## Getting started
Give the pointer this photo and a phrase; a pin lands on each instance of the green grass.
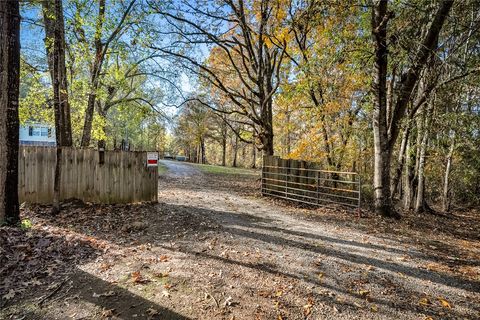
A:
(162, 168)
(207, 168)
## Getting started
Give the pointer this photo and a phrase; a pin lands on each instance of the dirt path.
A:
(213, 248)
(179, 171)
(275, 261)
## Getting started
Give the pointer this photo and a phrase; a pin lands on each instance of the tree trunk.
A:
(288, 142)
(400, 161)
(254, 155)
(266, 134)
(224, 151)
(203, 158)
(267, 141)
(386, 126)
(382, 152)
(419, 202)
(446, 180)
(87, 125)
(244, 155)
(55, 47)
(57, 180)
(102, 144)
(94, 74)
(235, 152)
(9, 122)
(408, 178)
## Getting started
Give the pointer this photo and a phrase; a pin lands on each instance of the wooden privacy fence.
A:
(114, 177)
(304, 182)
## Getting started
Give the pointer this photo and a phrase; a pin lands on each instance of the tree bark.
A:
(400, 161)
(9, 121)
(203, 159)
(266, 135)
(235, 152)
(446, 180)
(382, 152)
(408, 178)
(419, 201)
(94, 74)
(55, 47)
(386, 127)
(254, 155)
(224, 151)
(411, 77)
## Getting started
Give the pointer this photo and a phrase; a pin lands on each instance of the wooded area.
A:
(380, 95)
(384, 88)
(405, 71)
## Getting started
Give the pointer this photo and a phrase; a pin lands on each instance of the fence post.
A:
(286, 165)
(318, 186)
(263, 174)
(359, 195)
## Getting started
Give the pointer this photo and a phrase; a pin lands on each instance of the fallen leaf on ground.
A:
(424, 302)
(307, 309)
(363, 293)
(107, 313)
(444, 303)
(9, 295)
(161, 274)
(228, 302)
(264, 293)
(151, 312)
(138, 278)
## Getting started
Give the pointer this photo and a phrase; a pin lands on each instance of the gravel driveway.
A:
(274, 261)
(213, 248)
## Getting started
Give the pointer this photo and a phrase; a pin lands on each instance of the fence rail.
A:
(304, 182)
(116, 177)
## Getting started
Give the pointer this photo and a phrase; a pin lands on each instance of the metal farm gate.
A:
(303, 182)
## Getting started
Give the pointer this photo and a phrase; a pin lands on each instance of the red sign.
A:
(152, 159)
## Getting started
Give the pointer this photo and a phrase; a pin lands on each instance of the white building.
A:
(37, 134)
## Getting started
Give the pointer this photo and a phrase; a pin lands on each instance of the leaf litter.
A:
(156, 252)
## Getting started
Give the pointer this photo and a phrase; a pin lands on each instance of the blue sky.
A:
(32, 36)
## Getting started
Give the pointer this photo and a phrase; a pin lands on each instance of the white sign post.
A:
(152, 159)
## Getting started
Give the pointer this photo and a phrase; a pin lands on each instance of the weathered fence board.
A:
(122, 178)
(305, 182)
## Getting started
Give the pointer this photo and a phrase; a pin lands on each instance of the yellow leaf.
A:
(374, 308)
(424, 302)
(444, 303)
(364, 293)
